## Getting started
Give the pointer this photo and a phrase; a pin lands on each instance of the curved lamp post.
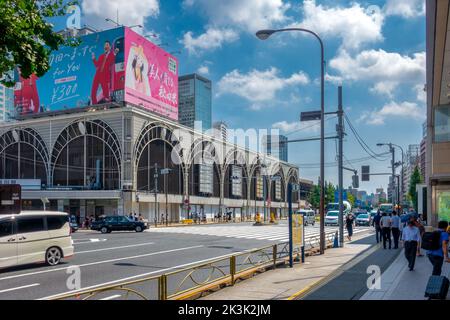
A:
(265, 34)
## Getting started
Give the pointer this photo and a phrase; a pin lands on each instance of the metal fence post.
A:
(232, 269)
(162, 286)
(274, 256)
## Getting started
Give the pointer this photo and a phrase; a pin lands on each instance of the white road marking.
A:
(99, 262)
(83, 241)
(271, 233)
(18, 288)
(145, 274)
(112, 297)
(114, 248)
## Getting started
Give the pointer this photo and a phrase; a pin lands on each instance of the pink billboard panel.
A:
(151, 76)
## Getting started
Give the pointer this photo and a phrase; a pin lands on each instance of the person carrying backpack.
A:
(436, 244)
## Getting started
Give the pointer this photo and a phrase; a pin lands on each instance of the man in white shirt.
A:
(395, 224)
(410, 239)
(385, 224)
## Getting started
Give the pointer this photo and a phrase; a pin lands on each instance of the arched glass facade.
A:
(87, 155)
(23, 155)
(159, 152)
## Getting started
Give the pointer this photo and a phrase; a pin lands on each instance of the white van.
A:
(35, 236)
(309, 217)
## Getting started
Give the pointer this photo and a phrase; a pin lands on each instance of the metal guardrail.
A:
(192, 281)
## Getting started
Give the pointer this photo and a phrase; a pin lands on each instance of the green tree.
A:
(314, 196)
(26, 38)
(415, 179)
(351, 199)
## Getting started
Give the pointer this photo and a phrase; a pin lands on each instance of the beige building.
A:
(438, 110)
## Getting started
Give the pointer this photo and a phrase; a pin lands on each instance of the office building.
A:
(195, 101)
(6, 103)
(221, 130)
(276, 146)
(438, 110)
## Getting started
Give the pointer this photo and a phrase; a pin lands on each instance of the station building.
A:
(103, 159)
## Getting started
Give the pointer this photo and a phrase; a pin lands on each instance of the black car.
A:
(117, 223)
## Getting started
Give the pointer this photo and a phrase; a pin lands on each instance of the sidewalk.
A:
(283, 282)
(398, 283)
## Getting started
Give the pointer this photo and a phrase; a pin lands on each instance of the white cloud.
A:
(355, 25)
(405, 8)
(131, 12)
(421, 93)
(211, 39)
(204, 70)
(258, 86)
(249, 15)
(287, 127)
(406, 110)
(386, 69)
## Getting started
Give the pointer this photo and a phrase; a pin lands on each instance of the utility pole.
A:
(341, 167)
(155, 176)
(393, 191)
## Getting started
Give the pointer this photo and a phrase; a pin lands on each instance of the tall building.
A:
(276, 146)
(423, 153)
(411, 162)
(194, 101)
(221, 130)
(6, 103)
(438, 110)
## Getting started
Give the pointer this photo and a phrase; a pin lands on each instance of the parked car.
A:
(363, 219)
(117, 223)
(332, 218)
(35, 236)
(309, 216)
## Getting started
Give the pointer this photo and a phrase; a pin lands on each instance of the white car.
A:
(33, 237)
(332, 218)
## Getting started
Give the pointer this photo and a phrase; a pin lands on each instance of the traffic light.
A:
(355, 181)
(365, 171)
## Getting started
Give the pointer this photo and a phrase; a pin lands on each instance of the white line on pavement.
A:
(112, 297)
(18, 288)
(100, 262)
(114, 248)
(145, 274)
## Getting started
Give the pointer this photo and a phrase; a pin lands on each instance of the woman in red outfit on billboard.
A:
(104, 73)
(26, 94)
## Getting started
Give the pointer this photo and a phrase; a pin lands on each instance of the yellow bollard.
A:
(272, 217)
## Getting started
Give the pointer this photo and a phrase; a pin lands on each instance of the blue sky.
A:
(375, 49)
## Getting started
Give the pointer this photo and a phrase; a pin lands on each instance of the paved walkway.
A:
(398, 283)
(282, 283)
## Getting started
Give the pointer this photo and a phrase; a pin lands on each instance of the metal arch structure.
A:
(157, 131)
(93, 128)
(30, 137)
(233, 155)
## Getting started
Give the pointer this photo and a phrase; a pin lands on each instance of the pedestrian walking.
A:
(395, 228)
(385, 224)
(349, 221)
(410, 240)
(419, 225)
(440, 254)
(376, 223)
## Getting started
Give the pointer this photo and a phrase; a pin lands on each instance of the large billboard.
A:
(151, 76)
(112, 65)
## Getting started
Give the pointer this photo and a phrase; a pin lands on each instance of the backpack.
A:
(431, 240)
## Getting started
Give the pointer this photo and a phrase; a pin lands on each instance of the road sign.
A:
(310, 116)
(344, 196)
(365, 173)
(297, 229)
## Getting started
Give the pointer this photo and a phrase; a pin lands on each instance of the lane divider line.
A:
(18, 288)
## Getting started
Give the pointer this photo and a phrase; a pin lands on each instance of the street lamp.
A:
(265, 34)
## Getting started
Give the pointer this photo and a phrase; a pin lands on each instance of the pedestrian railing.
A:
(192, 281)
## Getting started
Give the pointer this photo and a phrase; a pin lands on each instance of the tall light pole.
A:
(265, 34)
(392, 150)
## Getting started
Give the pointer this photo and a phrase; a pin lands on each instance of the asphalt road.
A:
(108, 258)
